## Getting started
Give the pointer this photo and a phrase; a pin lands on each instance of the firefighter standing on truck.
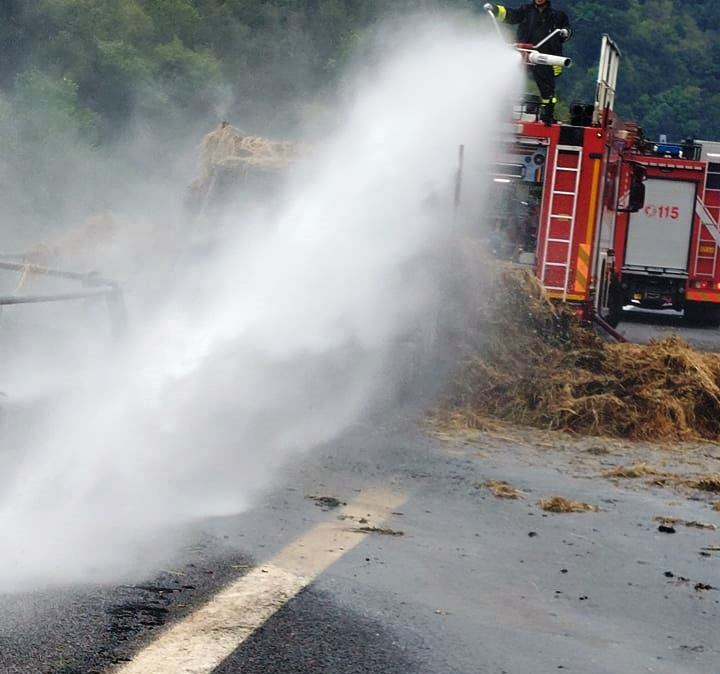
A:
(535, 21)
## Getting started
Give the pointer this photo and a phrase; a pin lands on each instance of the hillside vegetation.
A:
(100, 60)
(80, 73)
(670, 71)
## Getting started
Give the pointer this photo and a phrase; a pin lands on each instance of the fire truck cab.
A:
(605, 218)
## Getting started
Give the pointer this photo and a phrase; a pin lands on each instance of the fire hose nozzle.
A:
(535, 58)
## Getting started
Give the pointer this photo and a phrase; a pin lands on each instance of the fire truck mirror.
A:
(636, 201)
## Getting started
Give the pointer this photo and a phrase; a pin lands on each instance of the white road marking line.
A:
(201, 641)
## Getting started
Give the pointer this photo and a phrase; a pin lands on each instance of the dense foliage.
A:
(670, 74)
(102, 60)
(88, 69)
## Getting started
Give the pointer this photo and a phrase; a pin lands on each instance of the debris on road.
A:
(681, 579)
(532, 362)
(502, 489)
(326, 502)
(153, 588)
(693, 649)
(693, 524)
(665, 529)
(709, 483)
(378, 530)
(701, 525)
(558, 504)
(703, 587)
(632, 472)
(598, 450)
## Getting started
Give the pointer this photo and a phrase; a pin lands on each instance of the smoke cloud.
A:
(270, 343)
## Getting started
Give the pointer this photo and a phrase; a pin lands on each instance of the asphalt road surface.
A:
(384, 552)
(639, 325)
(446, 578)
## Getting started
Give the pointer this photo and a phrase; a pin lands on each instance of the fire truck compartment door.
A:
(659, 234)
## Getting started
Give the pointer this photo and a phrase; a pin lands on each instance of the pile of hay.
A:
(228, 147)
(529, 361)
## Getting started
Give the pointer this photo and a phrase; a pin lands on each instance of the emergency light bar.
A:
(668, 150)
(685, 150)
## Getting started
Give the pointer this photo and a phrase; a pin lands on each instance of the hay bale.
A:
(228, 147)
(558, 504)
(529, 361)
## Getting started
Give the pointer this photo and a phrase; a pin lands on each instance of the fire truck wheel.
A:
(615, 305)
(614, 316)
(703, 313)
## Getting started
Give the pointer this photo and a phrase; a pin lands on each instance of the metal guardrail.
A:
(95, 287)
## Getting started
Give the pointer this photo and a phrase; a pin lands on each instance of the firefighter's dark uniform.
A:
(534, 25)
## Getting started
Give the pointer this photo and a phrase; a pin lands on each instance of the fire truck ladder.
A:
(708, 221)
(568, 159)
(712, 227)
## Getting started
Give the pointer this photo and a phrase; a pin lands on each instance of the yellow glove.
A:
(557, 70)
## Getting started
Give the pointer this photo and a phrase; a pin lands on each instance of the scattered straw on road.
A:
(558, 504)
(501, 489)
(709, 483)
(633, 472)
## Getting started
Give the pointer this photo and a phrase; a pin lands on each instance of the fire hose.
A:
(536, 58)
(529, 53)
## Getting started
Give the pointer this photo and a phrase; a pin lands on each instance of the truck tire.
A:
(615, 305)
(703, 313)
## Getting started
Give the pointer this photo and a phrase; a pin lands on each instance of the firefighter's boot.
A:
(547, 110)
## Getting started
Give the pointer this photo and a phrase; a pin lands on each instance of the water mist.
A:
(280, 340)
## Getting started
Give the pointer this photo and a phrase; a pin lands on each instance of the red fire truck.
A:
(606, 218)
(666, 253)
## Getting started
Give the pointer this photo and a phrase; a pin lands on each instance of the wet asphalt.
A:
(638, 325)
(474, 584)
